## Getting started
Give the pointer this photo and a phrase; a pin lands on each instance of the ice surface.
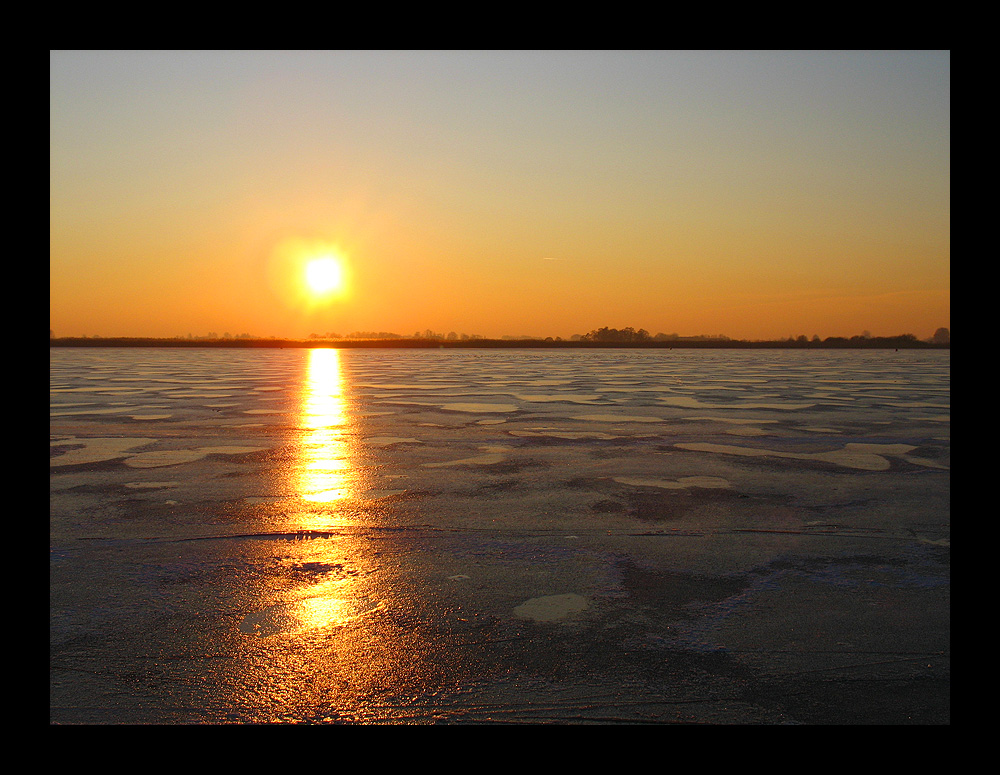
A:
(711, 482)
(551, 607)
(870, 457)
(482, 534)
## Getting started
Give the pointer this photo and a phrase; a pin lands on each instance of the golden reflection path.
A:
(326, 482)
(313, 639)
(324, 471)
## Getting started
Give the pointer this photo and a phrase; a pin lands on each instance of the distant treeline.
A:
(604, 339)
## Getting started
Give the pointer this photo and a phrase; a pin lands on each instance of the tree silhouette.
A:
(627, 334)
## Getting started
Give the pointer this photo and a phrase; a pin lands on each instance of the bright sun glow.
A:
(324, 275)
(309, 275)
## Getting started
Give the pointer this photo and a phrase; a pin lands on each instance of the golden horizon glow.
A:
(758, 195)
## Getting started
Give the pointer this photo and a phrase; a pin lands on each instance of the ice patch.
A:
(571, 398)
(114, 410)
(683, 483)
(745, 431)
(173, 457)
(551, 607)
(866, 457)
(615, 418)
(730, 420)
(687, 402)
(168, 457)
(494, 454)
(467, 407)
(385, 441)
(94, 450)
(570, 435)
(407, 386)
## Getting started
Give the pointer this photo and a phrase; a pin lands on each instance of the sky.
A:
(754, 194)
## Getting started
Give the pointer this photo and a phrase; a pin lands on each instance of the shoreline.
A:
(833, 343)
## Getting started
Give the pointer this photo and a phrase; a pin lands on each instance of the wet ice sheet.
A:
(632, 503)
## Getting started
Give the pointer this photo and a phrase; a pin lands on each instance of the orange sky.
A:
(753, 194)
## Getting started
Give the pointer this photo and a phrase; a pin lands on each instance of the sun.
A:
(324, 275)
(310, 275)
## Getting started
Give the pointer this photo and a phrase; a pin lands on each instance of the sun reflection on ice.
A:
(325, 475)
(324, 564)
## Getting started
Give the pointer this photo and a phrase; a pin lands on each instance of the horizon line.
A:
(719, 342)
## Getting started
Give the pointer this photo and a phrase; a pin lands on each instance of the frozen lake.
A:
(408, 536)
